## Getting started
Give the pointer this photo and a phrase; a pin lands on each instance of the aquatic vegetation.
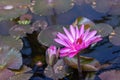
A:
(28, 28)
(75, 41)
(108, 6)
(51, 7)
(12, 42)
(13, 7)
(114, 37)
(103, 29)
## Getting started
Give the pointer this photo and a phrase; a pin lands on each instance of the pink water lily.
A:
(76, 40)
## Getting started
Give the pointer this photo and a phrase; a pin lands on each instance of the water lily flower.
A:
(52, 54)
(76, 40)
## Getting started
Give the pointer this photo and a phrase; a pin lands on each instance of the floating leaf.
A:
(59, 69)
(103, 29)
(22, 74)
(82, 20)
(108, 6)
(10, 58)
(25, 76)
(47, 36)
(50, 7)
(87, 64)
(5, 74)
(115, 36)
(13, 8)
(20, 30)
(12, 42)
(5, 26)
(39, 25)
(110, 75)
(79, 2)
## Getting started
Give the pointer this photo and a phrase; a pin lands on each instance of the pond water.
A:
(32, 38)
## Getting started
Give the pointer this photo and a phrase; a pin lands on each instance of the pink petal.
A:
(64, 54)
(61, 36)
(61, 42)
(72, 30)
(86, 34)
(72, 54)
(64, 50)
(81, 30)
(96, 39)
(77, 32)
(68, 34)
(91, 34)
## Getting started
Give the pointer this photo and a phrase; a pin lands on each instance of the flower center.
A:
(79, 40)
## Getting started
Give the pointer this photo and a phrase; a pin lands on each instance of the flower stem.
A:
(79, 67)
(54, 77)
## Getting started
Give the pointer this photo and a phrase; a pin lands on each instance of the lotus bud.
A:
(52, 55)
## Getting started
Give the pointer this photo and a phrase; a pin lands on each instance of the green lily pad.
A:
(47, 36)
(87, 64)
(103, 29)
(49, 7)
(12, 42)
(13, 8)
(10, 58)
(114, 37)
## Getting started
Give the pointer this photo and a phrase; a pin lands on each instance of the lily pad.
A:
(39, 25)
(110, 75)
(51, 7)
(12, 42)
(47, 36)
(20, 30)
(59, 69)
(79, 2)
(22, 74)
(10, 58)
(87, 63)
(103, 29)
(5, 74)
(13, 8)
(114, 37)
(108, 6)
